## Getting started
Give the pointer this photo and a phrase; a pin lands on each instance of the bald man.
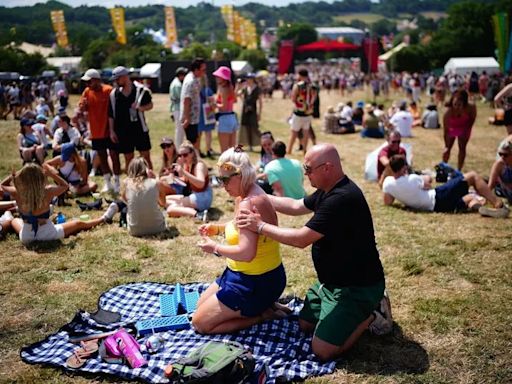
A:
(340, 305)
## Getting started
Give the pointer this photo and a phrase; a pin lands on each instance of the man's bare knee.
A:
(306, 326)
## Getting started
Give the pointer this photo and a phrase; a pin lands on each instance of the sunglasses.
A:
(223, 180)
(163, 146)
(308, 169)
(504, 155)
(183, 154)
(396, 142)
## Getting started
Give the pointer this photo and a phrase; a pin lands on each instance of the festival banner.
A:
(227, 15)
(170, 27)
(501, 35)
(59, 26)
(117, 15)
(236, 28)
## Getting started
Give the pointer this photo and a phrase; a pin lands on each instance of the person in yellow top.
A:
(246, 292)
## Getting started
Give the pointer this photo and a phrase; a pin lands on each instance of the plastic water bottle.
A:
(60, 218)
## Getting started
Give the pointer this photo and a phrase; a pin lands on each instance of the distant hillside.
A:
(202, 22)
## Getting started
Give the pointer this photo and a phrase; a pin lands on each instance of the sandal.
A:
(80, 355)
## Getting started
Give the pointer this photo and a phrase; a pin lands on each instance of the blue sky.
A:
(176, 3)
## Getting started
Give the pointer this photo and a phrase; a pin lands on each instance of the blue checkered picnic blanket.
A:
(278, 346)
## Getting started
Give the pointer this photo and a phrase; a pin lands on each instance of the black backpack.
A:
(214, 362)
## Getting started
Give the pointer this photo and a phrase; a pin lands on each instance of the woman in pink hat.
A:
(226, 97)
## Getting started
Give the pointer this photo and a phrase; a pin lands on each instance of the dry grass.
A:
(448, 275)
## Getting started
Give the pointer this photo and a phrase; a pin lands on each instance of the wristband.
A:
(216, 252)
(260, 228)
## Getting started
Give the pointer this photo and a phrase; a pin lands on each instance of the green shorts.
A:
(337, 311)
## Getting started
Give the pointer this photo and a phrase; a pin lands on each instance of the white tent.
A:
(463, 65)
(65, 64)
(241, 67)
(150, 70)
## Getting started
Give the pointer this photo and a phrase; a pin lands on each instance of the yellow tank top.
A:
(267, 256)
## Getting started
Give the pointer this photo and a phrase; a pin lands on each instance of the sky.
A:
(133, 3)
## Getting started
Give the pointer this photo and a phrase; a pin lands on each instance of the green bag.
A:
(214, 362)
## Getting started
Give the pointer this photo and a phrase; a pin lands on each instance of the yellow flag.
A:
(117, 15)
(59, 26)
(236, 28)
(170, 27)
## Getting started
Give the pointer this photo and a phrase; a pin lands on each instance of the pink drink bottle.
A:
(130, 349)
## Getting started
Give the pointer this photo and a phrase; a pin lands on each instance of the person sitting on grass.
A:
(194, 173)
(342, 304)
(284, 175)
(66, 133)
(30, 144)
(168, 156)
(500, 179)
(73, 168)
(141, 193)
(254, 279)
(33, 197)
(371, 124)
(416, 192)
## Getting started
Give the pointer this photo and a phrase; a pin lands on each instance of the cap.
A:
(250, 75)
(91, 74)
(24, 122)
(41, 117)
(505, 146)
(61, 111)
(360, 104)
(223, 73)
(403, 104)
(119, 71)
(66, 151)
(166, 141)
(181, 71)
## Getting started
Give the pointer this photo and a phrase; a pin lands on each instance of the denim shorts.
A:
(202, 200)
(228, 123)
(449, 196)
(251, 294)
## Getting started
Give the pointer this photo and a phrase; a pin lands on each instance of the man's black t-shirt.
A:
(122, 121)
(347, 254)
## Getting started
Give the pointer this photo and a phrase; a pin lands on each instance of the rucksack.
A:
(214, 362)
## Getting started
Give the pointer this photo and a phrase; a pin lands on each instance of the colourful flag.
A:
(501, 36)
(117, 15)
(59, 26)
(170, 27)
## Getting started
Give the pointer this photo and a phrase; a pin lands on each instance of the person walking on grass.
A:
(343, 303)
(303, 98)
(175, 99)
(226, 97)
(128, 127)
(95, 101)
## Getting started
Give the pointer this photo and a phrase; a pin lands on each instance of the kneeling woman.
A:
(194, 173)
(33, 197)
(73, 168)
(254, 278)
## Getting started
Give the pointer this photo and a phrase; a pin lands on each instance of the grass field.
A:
(448, 276)
(369, 18)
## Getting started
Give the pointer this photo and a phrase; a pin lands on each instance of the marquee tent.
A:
(463, 65)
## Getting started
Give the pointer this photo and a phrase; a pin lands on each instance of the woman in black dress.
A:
(251, 112)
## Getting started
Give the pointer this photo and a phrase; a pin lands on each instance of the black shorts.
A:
(507, 119)
(102, 144)
(449, 195)
(128, 142)
(191, 132)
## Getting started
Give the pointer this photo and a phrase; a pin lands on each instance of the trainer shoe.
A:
(383, 323)
(499, 213)
(110, 212)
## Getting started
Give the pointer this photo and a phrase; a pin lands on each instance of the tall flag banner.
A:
(501, 35)
(59, 26)
(170, 27)
(227, 15)
(117, 15)
(236, 28)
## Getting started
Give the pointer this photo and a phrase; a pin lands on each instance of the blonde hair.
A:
(241, 163)
(191, 149)
(30, 184)
(138, 171)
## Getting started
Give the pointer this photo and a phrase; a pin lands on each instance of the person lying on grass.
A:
(254, 278)
(416, 192)
(33, 196)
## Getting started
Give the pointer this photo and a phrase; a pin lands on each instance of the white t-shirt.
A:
(402, 121)
(346, 113)
(409, 190)
(73, 133)
(40, 129)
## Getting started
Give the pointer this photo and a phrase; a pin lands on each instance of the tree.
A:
(195, 50)
(412, 59)
(14, 59)
(300, 33)
(255, 57)
(97, 53)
